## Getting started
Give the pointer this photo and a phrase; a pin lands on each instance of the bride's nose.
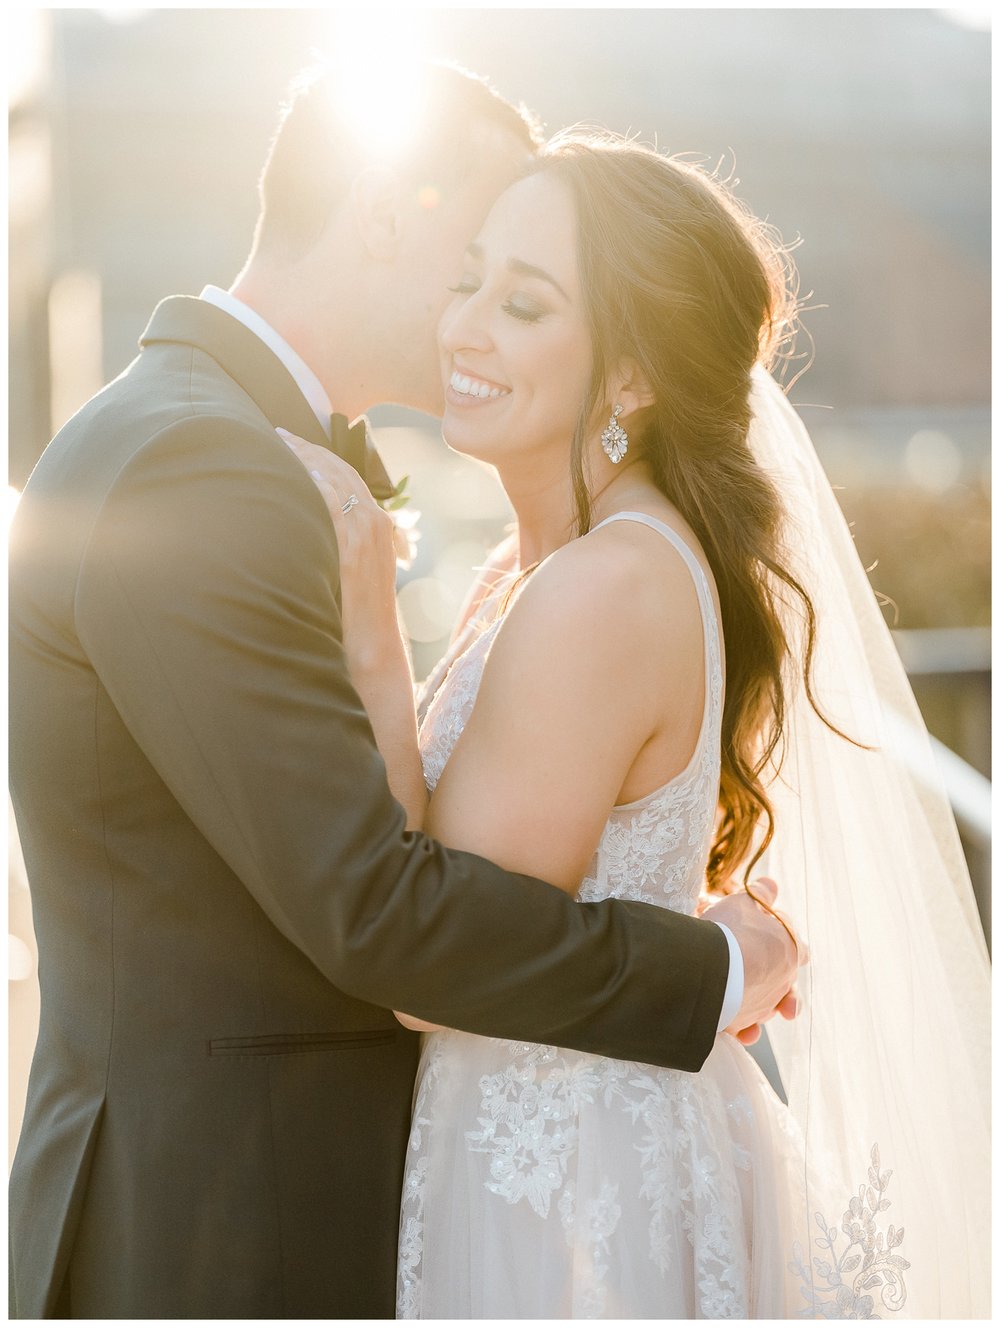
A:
(464, 327)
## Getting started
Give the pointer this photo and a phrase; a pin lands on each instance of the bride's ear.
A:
(631, 390)
(375, 206)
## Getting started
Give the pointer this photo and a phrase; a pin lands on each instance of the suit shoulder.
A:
(175, 390)
(177, 400)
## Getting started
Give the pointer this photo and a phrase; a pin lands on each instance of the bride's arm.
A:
(379, 666)
(377, 657)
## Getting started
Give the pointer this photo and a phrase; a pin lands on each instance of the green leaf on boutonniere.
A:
(399, 497)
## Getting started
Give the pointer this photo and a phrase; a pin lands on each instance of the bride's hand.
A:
(366, 540)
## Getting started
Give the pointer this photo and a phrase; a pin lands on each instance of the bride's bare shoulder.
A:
(621, 582)
(625, 567)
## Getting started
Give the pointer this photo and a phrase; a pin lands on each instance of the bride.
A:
(678, 614)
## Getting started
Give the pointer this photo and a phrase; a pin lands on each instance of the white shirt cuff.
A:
(733, 998)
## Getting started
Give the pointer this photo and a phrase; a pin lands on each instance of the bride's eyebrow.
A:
(529, 270)
(524, 269)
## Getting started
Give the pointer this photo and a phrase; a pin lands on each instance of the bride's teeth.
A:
(473, 387)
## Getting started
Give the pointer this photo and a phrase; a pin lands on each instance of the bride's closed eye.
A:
(525, 311)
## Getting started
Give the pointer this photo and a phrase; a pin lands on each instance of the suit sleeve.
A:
(207, 602)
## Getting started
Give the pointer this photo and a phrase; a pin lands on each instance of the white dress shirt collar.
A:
(308, 384)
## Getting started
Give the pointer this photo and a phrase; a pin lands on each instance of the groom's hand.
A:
(771, 959)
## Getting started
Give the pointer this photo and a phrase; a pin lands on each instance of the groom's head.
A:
(372, 228)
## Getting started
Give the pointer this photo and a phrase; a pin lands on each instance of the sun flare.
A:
(375, 57)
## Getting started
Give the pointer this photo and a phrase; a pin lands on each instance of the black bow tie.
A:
(354, 443)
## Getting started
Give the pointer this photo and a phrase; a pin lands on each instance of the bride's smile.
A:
(469, 390)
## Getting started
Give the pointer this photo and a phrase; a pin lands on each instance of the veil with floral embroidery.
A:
(887, 1070)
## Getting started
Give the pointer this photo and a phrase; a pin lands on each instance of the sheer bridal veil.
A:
(887, 1068)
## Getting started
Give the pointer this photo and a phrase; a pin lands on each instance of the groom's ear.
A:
(375, 205)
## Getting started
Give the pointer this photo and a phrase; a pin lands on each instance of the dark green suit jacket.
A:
(226, 902)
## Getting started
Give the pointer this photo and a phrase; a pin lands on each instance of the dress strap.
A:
(686, 552)
(711, 626)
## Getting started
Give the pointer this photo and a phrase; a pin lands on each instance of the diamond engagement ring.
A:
(351, 502)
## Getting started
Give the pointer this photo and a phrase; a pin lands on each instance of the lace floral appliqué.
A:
(867, 1267)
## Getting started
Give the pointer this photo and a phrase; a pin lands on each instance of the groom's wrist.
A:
(733, 997)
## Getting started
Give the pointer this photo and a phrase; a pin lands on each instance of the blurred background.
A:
(136, 137)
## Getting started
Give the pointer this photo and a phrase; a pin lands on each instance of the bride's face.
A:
(515, 346)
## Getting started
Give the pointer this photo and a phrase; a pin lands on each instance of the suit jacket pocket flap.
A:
(296, 1044)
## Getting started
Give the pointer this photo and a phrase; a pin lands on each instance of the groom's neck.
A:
(320, 323)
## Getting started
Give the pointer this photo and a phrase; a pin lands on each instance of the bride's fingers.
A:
(343, 491)
(326, 465)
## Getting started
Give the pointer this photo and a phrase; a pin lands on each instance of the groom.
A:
(226, 903)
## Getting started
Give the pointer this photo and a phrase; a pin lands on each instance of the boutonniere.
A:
(405, 534)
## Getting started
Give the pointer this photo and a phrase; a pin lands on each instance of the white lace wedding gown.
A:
(547, 1183)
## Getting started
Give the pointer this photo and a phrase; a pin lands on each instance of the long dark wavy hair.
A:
(682, 279)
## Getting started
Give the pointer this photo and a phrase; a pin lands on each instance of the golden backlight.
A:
(371, 52)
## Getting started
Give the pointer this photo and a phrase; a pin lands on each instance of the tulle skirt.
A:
(544, 1183)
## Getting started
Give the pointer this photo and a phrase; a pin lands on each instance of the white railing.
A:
(951, 651)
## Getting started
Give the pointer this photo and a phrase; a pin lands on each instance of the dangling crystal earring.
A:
(614, 439)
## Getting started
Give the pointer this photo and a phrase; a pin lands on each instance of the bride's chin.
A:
(459, 440)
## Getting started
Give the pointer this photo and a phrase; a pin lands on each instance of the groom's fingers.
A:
(748, 1036)
(788, 1006)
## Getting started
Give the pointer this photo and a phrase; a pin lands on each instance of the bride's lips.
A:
(464, 389)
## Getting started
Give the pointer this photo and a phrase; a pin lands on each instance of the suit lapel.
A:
(242, 355)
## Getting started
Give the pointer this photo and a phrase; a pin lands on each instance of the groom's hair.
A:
(317, 149)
